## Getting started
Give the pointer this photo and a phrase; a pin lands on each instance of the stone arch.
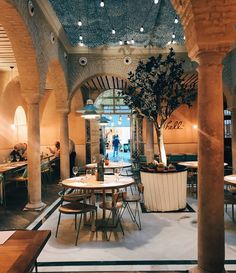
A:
(22, 46)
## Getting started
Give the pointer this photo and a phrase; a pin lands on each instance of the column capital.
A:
(31, 97)
(208, 58)
(63, 111)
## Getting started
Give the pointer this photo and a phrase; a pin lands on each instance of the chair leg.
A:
(78, 229)
(58, 222)
(133, 215)
(233, 212)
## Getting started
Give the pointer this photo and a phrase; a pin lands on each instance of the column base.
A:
(197, 269)
(37, 206)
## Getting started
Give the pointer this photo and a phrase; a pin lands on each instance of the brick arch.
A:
(22, 46)
(56, 80)
(106, 66)
(78, 88)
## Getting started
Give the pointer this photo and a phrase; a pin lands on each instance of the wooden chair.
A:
(75, 208)
(115, 209)
(230, 199)
(128, 200)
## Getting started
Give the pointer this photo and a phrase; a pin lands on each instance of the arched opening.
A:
(117, 132)
(20, 125)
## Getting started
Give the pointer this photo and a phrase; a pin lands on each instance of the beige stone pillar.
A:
(64, 144)
(211, 251)
(149, 141)
(233, 120)
(33, 155)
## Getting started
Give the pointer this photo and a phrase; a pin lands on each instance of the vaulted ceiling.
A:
(126, 17)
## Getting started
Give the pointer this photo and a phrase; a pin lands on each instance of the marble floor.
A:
(167, 241)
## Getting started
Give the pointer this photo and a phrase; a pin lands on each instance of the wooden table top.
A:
(11, 166)
(112, 165)
(192, 164)
(19, 253)
(110, 182)
(230, 179)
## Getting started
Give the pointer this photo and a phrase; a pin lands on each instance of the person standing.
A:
(116, 144)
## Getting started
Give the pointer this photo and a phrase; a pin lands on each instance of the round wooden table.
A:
(230, 180)
(110, 183)
(192, 164)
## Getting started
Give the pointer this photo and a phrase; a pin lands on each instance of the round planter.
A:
(165, 191)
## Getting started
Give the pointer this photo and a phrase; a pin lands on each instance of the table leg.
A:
(104, 207)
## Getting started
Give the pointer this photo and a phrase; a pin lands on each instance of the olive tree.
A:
(156, 90)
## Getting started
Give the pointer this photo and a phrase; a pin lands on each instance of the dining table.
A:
(192, 164)
(111, 183)
(230, 180)
(19, 252)
(6, 169)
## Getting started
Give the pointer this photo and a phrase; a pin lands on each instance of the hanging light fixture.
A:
(89, 110)
(103, 121)
(156, 1)
(79, 23)
(176, 21)
(141, 29)
(102, 4)
(113, 31)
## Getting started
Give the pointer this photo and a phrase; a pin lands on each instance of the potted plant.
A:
(157, 89)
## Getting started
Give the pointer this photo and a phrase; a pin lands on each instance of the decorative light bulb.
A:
(79, 23)
(184, 37)
(156, 1)
(120, 42)
(169, 43)
(132, 41)
(141, 29)
(113, 31)
(102, 4)
(173, 35)
(176, 21)
(81, 37)
(81, 44)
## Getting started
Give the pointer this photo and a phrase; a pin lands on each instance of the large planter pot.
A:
(165, 191)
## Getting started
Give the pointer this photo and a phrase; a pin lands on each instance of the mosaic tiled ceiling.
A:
(126, 17)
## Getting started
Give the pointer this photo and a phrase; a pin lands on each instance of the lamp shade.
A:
(89, 110)
(103, 121)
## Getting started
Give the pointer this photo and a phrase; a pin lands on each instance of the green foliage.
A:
(157, 88)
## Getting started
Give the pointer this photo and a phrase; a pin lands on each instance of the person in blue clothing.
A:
(116, 144)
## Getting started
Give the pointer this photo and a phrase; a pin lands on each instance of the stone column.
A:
(33, 155)
(233, 126)
(149, 141)
(64, 144)
(210, 170)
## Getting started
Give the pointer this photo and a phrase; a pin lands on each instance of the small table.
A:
(19, 253)
(109, 183)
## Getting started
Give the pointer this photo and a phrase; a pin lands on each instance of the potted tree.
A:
(157, 89)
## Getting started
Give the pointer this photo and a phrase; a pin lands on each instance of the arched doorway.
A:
(20, 125)
(112, 106)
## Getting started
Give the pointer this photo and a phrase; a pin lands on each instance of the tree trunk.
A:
(160, 142)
